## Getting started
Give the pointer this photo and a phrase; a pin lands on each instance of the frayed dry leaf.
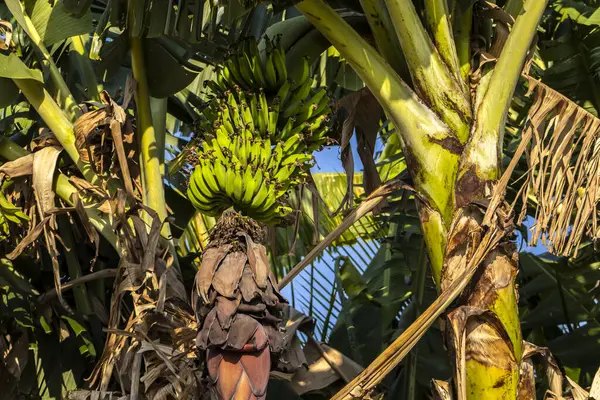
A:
(29, 239)
(526, 388)
(553, 372)
(45, 138)
(83, 185)
(441, 390)
(319, 373)
(595, 389)
(564, 163)
(577, 391)
(43, 169)
(100, 140)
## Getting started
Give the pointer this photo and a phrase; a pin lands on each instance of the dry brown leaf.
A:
(371, 202)
(29, 239)
(211, 258)
(441, 390)
(577, 391)
(259, 262)
(595, 389)
(43, 169)
(364, 114)
(526, 390)
(229, 272)
(564, 163)
(319, 373)
(20, 167)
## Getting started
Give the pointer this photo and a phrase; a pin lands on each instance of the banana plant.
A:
(451, 122)
(88, 196)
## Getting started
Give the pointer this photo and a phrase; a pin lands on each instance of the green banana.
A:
(220, 175)
(208, 175)
(296, 158)
(238, 186)
(246, 71)
(252, 180)
(230, 181)
(270, 74)
(280, 68)
(302, 74)
(261, 194)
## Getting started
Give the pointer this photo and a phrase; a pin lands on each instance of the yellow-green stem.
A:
(463, 25)
(485, 147)
(159, 121)
(438, 19)
(514, 7)
(85, 67)
(65, 95)
(432, 77)
(153, 189)
(384, 34)
(58, 123)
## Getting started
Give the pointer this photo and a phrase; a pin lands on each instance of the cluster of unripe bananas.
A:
(257, 134)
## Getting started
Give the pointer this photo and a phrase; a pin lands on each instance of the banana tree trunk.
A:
(453, 144)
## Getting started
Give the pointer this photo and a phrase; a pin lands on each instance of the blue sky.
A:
(329, 160)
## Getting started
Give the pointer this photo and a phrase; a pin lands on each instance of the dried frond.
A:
(100, 140)
(563, 175)
(153, 344)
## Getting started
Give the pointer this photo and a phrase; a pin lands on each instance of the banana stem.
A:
(434, 80)
(387, 42)
(463, 26)
(159, 120)
(438, 19)
(153, 186)
(485, 147)
(85, 67)
(514, 7)
(60, 126)
(65, 96)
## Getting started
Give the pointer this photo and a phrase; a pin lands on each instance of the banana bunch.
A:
(9, 213)
(258, 133)
(238, 110)
(248, 172)
(287, 104)
(246, 68)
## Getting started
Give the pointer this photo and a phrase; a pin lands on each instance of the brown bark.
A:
(484, 331)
